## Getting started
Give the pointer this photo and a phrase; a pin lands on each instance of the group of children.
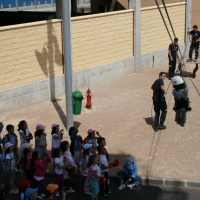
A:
(87, 157)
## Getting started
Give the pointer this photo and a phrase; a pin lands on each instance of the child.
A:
(95, 176)
(59, 166)
(129, 175)
(57, 136)
(84, 166)
(76, 141)
(39, 166)
(92, 139)
(26, 162)
(31, 194)
(23, 185)
(11, 164)
(102, 143)
(68, 162)
(2, 191)
(51, 191)
(41, 142)
(25, 135)
(1, 152)
(12, 138)
(104, 166)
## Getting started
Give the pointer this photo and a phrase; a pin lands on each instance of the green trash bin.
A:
(77, 102)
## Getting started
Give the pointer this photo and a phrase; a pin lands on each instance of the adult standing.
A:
(194, 44)
(180, 94)
(172, 55)
(159, 102)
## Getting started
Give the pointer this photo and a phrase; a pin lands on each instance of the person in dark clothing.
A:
(159, 102)
(194, 44)
(172, 55)
(2, 191)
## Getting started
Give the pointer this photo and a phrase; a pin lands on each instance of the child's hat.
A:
(90, 131)
(87, 146)
(26, 145)
(7, 145)
(54, 125)
(115, 163)
(52, 187)
(40, 127)
(23, 184)
(30, 191)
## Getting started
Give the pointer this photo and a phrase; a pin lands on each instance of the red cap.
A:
(115, 163)
(23, 184)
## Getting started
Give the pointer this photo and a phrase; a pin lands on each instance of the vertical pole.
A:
(52, 3)
(188, 21)
(136, 5)
(66, 8)
(35, 3)
(16, 1)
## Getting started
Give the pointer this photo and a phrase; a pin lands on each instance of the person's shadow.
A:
(150, 121)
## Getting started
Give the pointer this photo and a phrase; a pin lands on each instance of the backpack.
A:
(8, 137)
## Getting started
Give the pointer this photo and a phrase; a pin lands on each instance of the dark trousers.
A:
(172, 67)
(104, 186)
(160, 106)
(194, 46)
(29, 175)
(39, 185)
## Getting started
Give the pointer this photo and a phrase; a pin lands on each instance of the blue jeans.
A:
(124, 177)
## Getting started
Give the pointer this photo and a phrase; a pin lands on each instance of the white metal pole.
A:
(66, 10)
(16, 1)
(35, 3)
(52, 3)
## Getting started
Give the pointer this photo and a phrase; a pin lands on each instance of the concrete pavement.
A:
(122, 113)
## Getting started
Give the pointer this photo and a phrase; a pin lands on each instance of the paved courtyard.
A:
(121, 112)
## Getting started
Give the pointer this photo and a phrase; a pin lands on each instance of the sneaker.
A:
(130, 187)
(13, 191)
(47, 170)
(162, 127)
(42, 195)
(189, 60)
(122, 186)
(195, 60)
(89, 193)
(70, 191)
(63, 192)
(57, 194)
(157, 129)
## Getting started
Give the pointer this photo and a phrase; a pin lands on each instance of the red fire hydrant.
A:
(89, 99)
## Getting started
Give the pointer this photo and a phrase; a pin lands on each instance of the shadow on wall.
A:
(47, 58)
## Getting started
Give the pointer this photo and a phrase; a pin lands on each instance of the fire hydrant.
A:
(89, 99)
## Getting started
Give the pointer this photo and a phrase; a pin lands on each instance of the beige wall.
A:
(154, 34)
(30, 52)
(196, 13)
(147, 3)
(101, 38)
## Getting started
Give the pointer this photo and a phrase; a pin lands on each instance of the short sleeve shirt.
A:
(61, 162)
(173, 48)
(195, 35)
(11, 157)
(158, 94)
(95, 168)
(22, 140)
(103, 161)
(55, 141)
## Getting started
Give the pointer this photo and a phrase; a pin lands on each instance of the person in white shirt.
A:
(104, 166)
(69, 163)
(11, 164)
(95, 176)
(57, 136)
(25, 134)
(59, 166)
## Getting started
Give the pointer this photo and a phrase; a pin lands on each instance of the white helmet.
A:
(177, 80)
